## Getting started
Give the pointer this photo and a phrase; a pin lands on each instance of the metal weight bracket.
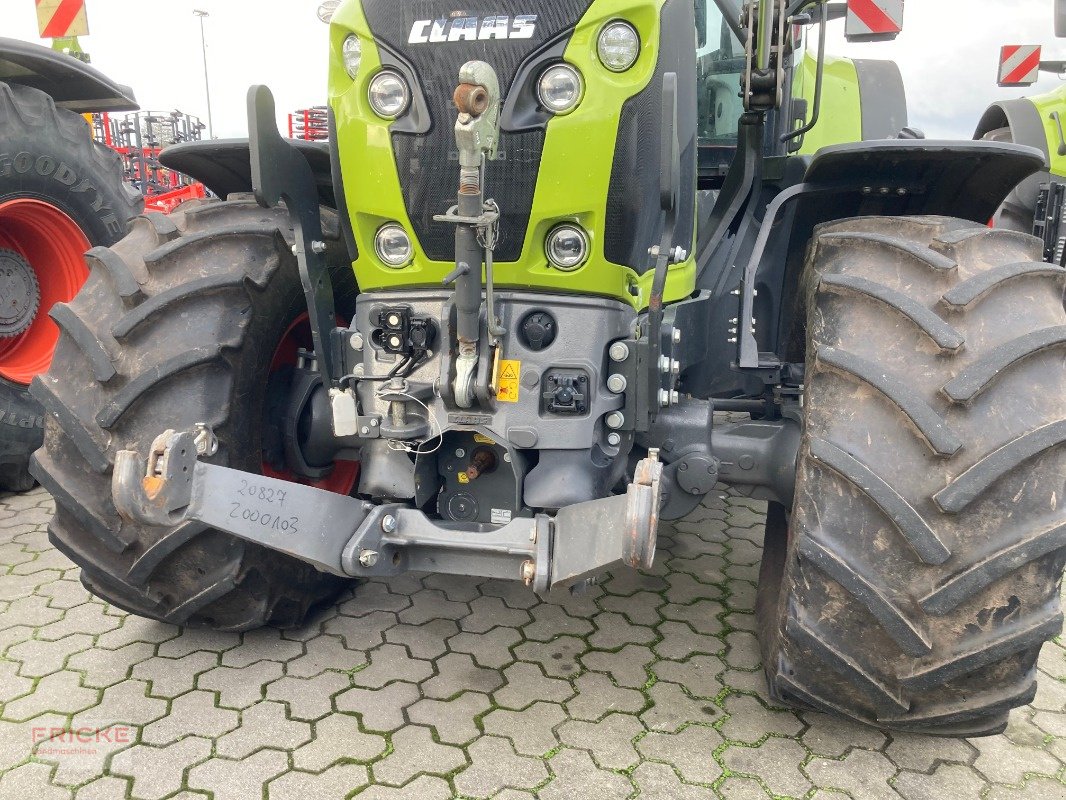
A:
(281, 175)
(350, 537)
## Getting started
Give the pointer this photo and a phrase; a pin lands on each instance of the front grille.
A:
(427, 164)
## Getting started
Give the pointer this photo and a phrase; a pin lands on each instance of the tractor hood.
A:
(591, 166)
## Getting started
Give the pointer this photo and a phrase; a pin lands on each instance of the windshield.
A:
(719, 64)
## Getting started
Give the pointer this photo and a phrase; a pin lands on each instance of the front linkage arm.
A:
(350, 537)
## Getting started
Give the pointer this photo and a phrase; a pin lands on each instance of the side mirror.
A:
(873, 20)
(1060, 18)
(1019, 65)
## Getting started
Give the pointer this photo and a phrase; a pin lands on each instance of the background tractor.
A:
(486, 330)
(78, 162)
(61, 193)
(1036, 121)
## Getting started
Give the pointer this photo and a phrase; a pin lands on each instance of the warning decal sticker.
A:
(507, 383)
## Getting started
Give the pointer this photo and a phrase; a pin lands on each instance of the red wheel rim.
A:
(54, 246)
(345, 473)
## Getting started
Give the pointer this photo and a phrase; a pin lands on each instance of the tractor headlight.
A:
(389, 94)
(393, 246)
(560, 88)
(618, 46)
(567, 247)
(352, 53)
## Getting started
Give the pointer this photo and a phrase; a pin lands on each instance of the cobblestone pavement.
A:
(431, 687)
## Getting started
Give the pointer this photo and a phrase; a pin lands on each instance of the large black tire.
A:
(47, 154)
(176, 325)
(919, 573)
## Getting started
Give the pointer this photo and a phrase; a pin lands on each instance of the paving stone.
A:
(742, 650)
(627, 666)
(737, 788)
(683, 589)
(492, 649)
(1001, 761)
(1038, 787)
(336, 783)
(389, 663)
(673, 709)
(1050, 722)
(949, 780)
(37, 658)
(526, 683)
(457, 672)
(1022, 731)
(60, 692)
(699, 675)
(453, 720)
(513, 593)
(691, 751)
(749, 720)
(679, 642)
(575, 775)
(423, 641)
(430, 604)
(559, 658)
(260, 644)
(641, 608)
(12, 684)
(127, 703)
(614, 631)
(322, 653)
(364, 632)
(170, 677)
(80, 751)
(31, 780)
(191, 640)
(832, 737)
(424, 787)
(597, 696)
(106, 788)
(380, 710)
(415, 752)
(238, 780)
(531, 731)
(494, 765)
(487, 613)
(308, 698)
(194, 713)
(776, 762)
(240, 687)
(550, 621)
(1050, 695)
(659, 782)
(610, 740)
(263, 725)
(627, 582)
(861, 773)
(337, 737)
(88, 618)
(159, 771)
(372, 598)
(101, 668)
(137, 629)
(457, 588)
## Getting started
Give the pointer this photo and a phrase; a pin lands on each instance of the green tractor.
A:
(487, 329)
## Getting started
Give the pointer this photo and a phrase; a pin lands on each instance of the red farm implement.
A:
(139, 138)
(310, 124)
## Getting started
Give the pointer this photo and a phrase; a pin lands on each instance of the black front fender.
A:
(71, 83)
(224, 165)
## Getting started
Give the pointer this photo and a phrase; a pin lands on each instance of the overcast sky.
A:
(947, 52)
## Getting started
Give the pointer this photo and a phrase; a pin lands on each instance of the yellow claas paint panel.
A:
(575, 165)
